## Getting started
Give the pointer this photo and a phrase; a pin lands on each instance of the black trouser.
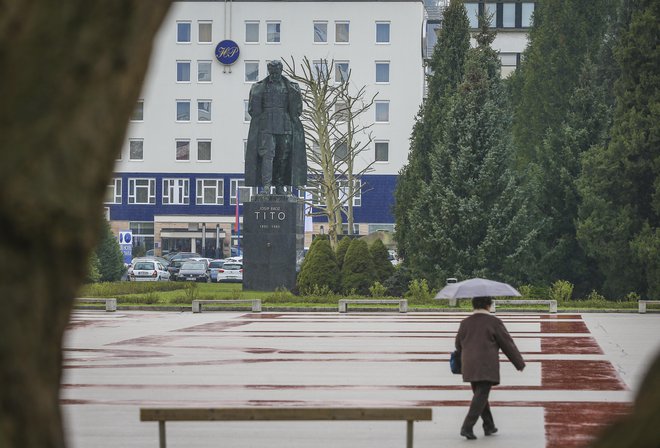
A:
(479, 406)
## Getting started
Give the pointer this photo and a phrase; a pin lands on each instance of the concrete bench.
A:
(403, 303)
(552, 303)
(110, 304)
(409, 415)
(255, 303)
(642, 305)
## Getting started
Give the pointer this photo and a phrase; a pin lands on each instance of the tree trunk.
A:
(70, 73)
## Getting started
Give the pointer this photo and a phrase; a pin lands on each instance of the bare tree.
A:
(335, 136)
(71, 73)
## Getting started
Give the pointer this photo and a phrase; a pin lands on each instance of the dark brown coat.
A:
(479, 340)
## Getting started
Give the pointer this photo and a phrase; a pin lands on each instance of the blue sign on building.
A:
(227, 52)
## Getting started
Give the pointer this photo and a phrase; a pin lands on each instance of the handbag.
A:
(455, 362)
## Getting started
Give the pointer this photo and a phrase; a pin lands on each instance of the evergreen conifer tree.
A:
(111, 260)
(446, 66)
(319, 268)
(358, 270)
(479, 223)
(383, 268)
(342, 247)
(619, 223)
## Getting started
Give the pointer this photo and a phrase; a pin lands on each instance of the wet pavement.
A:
(582, 371)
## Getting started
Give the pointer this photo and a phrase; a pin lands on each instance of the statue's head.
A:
(275, 69)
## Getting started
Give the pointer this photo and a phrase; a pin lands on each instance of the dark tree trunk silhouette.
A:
(70, 73)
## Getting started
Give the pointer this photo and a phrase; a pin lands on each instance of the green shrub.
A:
(418, 290)
(319, 268)
(561, 291)
(191, 291)
(111, 260)
(594, 297)
(340, 253)
(319, 291)
(358, 270)
(525, 291)
(397, 284)
(631, 297)
(377, 290)
(383, 268)
(93, 269)
(280, 295)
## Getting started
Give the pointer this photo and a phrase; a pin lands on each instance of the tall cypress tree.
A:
(478, 222)
(111, 260)
(619, 222)
(447, 71)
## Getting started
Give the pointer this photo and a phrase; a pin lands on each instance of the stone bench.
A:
(161, 415)
(551, 303)
(403, 303)
(642, 305)
(255, 303)
(110, 303)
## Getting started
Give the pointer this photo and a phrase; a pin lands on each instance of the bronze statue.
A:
(275, 154)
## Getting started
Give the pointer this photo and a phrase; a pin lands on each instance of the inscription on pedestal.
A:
(273, 236)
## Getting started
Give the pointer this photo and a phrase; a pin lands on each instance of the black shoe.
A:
(468, 434)
(489, 430)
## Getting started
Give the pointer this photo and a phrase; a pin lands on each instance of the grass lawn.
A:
(183, 293)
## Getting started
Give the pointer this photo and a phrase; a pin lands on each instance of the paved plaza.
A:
(582, 371)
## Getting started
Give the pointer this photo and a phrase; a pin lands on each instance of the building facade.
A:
(178, 184)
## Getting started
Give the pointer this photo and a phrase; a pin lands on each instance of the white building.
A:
(182, 163)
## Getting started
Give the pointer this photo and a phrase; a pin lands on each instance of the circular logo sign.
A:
(226, 52)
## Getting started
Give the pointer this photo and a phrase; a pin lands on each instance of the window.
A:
(135, 149)
(320, 69)
(204, 110)
(210, 192)
(203, 71)
(204, 150)
(382, 111)
(383, 72)
(341, 71)
(251, 32)
(527, 11)
(113, 192)
(490, 11)
(244, 193)
(382, 151)
(382, 32)
(176, 191)
(341, 151)
(183, 32)
(183, 150)
(251, 71)
(183, 110)
(472, 10)
(508, 15)
(205, 32)
(342, 34)
(141, 191)
(357, 193)
(509, 59)
(182, 71)
(138, 112)
(273, 32)
(321, 32)
(246, 115)
(341, 111)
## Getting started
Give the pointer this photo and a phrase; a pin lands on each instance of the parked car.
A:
(184, 255)
(197, 271)
(161, 260)
(174, 267)
(231, 271)
(148, 271)
(214, 266)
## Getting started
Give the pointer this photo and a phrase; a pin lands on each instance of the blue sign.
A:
(226, 52)
(126, 245)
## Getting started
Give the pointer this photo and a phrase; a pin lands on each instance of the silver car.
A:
(148, 271)
(197, 271)
(232, 271)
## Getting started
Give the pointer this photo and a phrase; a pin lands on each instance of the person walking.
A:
(479, 340)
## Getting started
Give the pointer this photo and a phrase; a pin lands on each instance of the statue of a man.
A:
(275, 154)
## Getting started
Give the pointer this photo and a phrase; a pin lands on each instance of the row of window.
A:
(320, 32)
(204, 111)
(504, 15)
(183, 151)
(176, 191)
(252, 68)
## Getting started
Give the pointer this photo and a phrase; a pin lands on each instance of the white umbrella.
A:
(477, 287)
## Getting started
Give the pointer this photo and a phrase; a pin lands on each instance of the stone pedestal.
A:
(273, 241)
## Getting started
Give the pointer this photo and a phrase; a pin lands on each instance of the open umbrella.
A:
(477, 287)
